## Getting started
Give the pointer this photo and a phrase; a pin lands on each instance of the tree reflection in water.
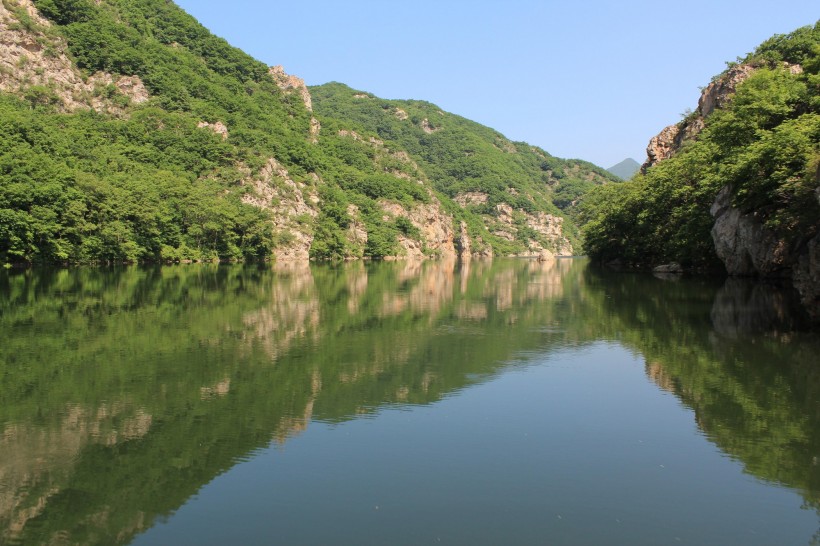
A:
(125, 391)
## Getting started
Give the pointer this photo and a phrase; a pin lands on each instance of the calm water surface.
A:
(505, 402)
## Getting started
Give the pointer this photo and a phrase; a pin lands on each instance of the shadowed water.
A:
(404, 403)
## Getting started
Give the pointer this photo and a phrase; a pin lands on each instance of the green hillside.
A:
(763, 146)
(223, 159)
(81, 186)
(462, 157)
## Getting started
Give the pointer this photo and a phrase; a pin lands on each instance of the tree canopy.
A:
(764, 145)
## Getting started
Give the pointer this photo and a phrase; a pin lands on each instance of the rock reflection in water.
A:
(745, 307)
(145, 384)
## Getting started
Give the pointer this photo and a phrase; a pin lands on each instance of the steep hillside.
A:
(735, 185)
(92, 171)
(128, 132)
(518, 191)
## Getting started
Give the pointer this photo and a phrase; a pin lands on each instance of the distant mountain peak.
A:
(626, 169)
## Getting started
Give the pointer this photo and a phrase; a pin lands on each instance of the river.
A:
(484, 402)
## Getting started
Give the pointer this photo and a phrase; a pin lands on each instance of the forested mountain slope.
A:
(512, 187)
(735, 185)
(128, 132)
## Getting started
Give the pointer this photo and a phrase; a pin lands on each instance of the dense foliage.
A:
(765, 145)
(87, 188)
(152, 186)
(146, 183)
(84, 187)
(461, 156)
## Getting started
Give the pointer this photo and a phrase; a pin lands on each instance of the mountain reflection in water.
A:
(125, 391)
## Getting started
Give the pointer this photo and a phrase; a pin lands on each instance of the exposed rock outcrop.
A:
(356, 231)
(471, 198)
(549, 228)
(715, 95)
(434, 225)
(291, 203)
(218, 127)
(742, 241)
(748, 248)
(287, 82)
(383, 153)
(34, 64)
(129, 86)
(667, 143)
(464, 244)
(293, 84)
(467, 248)
(505, 224)
(427, 127)
(744, 245)
(719, 92)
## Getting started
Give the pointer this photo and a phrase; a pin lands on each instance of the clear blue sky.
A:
(588, 79)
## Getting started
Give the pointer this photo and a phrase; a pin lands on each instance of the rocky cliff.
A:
(750, 249)
(715, 95)
(293, 84)
(513, 196)
(772, 235)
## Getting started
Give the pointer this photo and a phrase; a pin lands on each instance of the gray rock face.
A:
(720, 91)
(806, 278)
(748, 248)
(744, 245)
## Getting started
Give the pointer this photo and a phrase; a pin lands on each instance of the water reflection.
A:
(746, 308)
(737, 354)
(125, 391)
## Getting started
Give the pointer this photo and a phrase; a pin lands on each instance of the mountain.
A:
(735, 186)
(511, 194)
(131, 133)
(626, 169)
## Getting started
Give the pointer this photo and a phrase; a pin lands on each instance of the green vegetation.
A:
(765, 145)
(460, 156)
(83, 187)
(148, 184)
(151, 186)
(147, 382)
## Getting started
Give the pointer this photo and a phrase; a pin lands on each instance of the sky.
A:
(581, 79)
